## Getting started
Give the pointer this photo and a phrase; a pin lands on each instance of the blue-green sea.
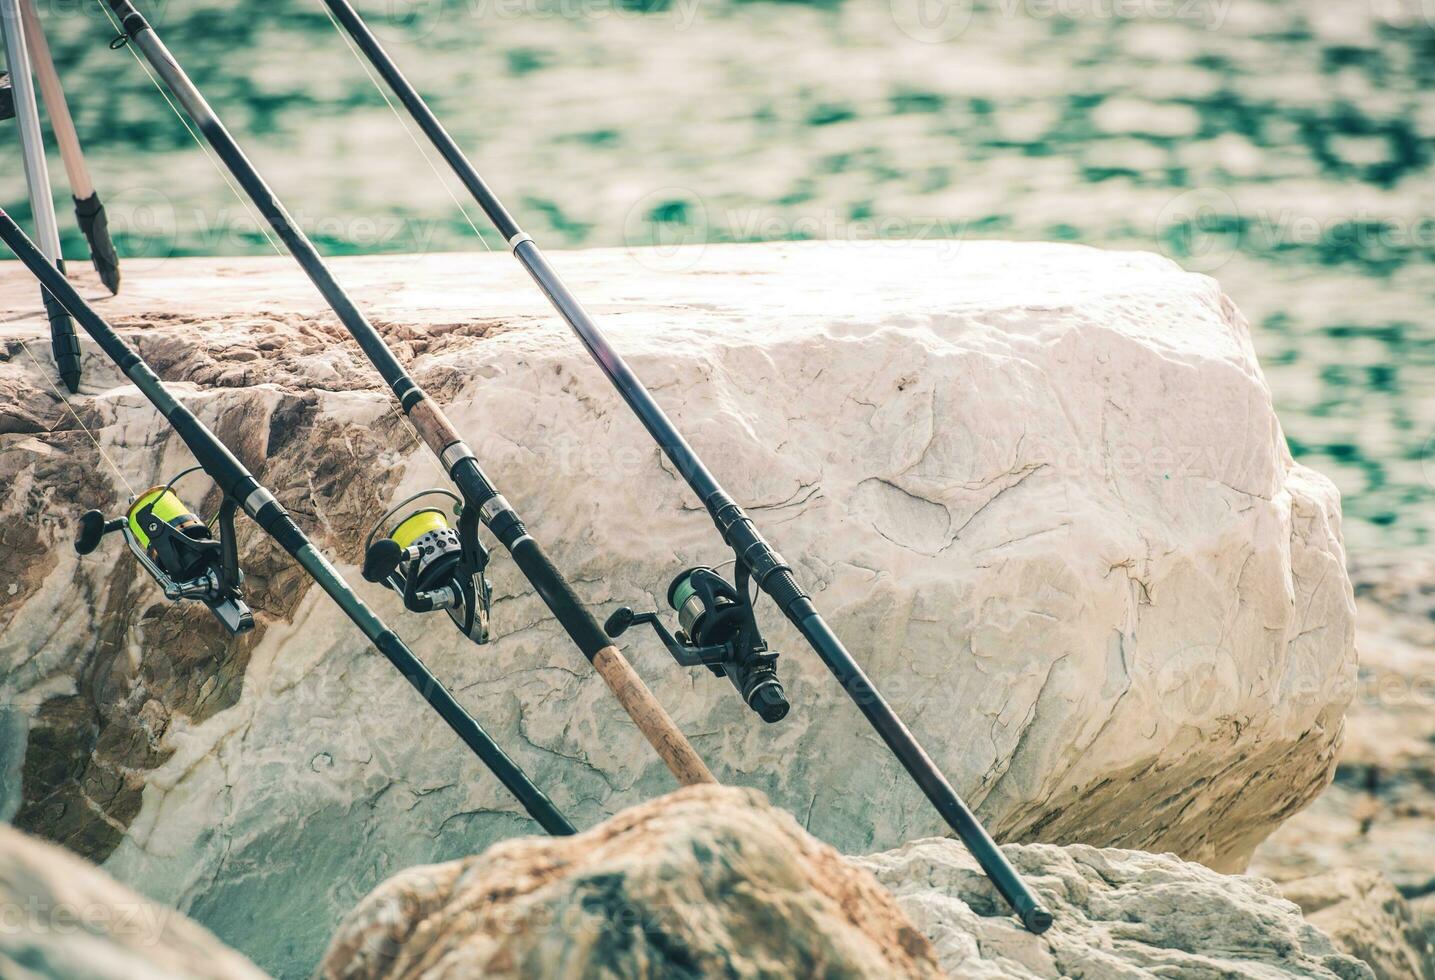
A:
(1283, 146)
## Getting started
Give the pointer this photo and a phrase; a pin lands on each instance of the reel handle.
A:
(382, 560)
(618, 623)
(93, 527)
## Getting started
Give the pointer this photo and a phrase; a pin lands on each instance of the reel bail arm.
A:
(719, 631)
(434, 428)
(432, 564)
(771, 573)
(239, 486)
(179, 552)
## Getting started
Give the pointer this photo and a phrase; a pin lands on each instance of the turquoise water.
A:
(1284, 147)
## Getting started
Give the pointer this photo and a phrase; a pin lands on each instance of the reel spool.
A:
(716, 630)
(432, 564)
(179, 551)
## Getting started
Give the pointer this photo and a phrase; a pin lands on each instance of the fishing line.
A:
(718, 628)
(244, 202)
(45, 373)
(404, 123)
(121, 41)
(418, 441)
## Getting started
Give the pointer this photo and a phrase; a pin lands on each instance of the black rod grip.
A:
(559, 596)
(63, 342)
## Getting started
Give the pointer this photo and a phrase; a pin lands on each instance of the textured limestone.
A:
(1040, 490)
(1366, 917)
(1120, 915)
(1379, 814)
(709, 881)
(713, 882)
(65, 919)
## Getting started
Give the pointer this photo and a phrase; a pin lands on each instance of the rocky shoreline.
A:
(713, 881)
(1144, 614)
(1379, 813)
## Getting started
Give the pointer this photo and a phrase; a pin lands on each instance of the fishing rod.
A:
(718, 625)
(63, 342)
(189, 562)
(420, 555)
(89, 211)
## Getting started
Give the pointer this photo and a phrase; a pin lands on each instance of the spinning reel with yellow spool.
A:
(432, 564)
(179, 550)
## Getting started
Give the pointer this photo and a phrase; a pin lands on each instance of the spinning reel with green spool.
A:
(180, 551)
(717, 630)
(432, 564)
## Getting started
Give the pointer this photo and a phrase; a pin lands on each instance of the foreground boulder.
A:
(711, 882)
(1040, 491)
(65, 919)
(707, 882)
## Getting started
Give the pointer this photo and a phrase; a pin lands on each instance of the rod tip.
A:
(71, 380)
(1037, 919)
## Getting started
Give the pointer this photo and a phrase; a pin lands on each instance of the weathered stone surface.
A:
(1379, 814)
(1366, 917)
(1120, 915)
(714, 882)
(1040, 490)
(706, 882)
(65, 919)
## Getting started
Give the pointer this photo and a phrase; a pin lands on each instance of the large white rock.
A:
(1040, 490)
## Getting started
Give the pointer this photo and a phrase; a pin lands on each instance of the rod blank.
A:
(239, 485)
(737, 529)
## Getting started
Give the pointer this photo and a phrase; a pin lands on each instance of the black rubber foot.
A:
(91, 215)
(1037, 920)
(63, 342)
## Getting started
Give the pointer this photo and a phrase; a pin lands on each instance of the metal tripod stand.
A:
(25, 50)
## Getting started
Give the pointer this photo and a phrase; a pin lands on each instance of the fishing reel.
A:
(717, 630)
(432, 564)
(179, 550)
